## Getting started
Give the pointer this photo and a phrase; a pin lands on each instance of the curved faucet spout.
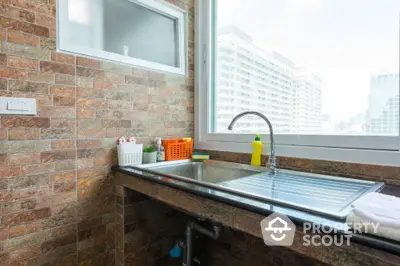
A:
(272, 159)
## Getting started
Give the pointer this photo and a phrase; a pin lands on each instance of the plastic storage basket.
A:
(178, 149)
(129, 153)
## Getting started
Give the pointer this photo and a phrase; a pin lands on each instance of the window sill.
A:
(388, 158)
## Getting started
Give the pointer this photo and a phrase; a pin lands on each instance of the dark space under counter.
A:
(265, 209)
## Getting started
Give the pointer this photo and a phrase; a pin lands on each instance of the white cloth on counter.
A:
(377, 209)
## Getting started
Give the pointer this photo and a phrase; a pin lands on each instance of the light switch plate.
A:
(17, 106)
(26, 105)
(14, 105)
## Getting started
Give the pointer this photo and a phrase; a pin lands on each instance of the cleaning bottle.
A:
(160, 150)
(257, 151)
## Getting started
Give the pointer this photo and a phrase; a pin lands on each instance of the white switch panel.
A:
(26, 104)
(17, 106)
(14, 105)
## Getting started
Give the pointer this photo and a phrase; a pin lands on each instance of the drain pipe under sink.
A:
(188, 252)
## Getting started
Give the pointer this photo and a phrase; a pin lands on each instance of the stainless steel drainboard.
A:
(329, 195)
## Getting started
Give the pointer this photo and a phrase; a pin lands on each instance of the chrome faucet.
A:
(272, 159)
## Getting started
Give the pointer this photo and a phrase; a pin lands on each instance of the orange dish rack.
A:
(178, 149)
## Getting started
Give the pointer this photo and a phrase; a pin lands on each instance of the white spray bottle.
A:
(160, 150)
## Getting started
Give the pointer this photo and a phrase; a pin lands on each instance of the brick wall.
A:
(146, 229)
(56, 191)
(236, 248)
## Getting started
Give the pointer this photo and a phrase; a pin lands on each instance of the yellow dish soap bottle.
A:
(257, 151)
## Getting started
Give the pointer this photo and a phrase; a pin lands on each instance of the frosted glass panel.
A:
(136, 31)
(146, 33)
(85, 19)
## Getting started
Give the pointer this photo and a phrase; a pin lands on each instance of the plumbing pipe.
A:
(188, 250)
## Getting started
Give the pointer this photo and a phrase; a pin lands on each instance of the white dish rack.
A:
(129, 153)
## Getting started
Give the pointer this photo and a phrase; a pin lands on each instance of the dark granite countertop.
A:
(298, 217)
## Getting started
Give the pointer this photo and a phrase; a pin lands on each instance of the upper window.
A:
(145, 33)
(311, 66)
(325, 73)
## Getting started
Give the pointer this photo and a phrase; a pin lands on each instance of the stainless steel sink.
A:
(320, 194)
(209, 171)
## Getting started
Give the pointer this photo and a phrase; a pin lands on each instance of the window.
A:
(326, 73)
(144, 33)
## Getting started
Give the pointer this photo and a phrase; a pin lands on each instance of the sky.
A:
(343, 42)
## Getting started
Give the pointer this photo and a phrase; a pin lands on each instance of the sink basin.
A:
(210, 171)
(320, 194)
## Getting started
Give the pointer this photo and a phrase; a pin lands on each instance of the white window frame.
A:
(65, 46)
(383, 150)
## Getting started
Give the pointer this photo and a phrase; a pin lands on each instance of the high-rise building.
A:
(307, 104)
(383, 108)
(249, 78)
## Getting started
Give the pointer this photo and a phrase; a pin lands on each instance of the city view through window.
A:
(311, 66)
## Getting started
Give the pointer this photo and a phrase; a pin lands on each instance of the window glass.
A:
(133, 32)
(311, 66)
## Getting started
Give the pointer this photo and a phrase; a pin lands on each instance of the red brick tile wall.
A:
(146, 229)
(235, 248)
(56, 190)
